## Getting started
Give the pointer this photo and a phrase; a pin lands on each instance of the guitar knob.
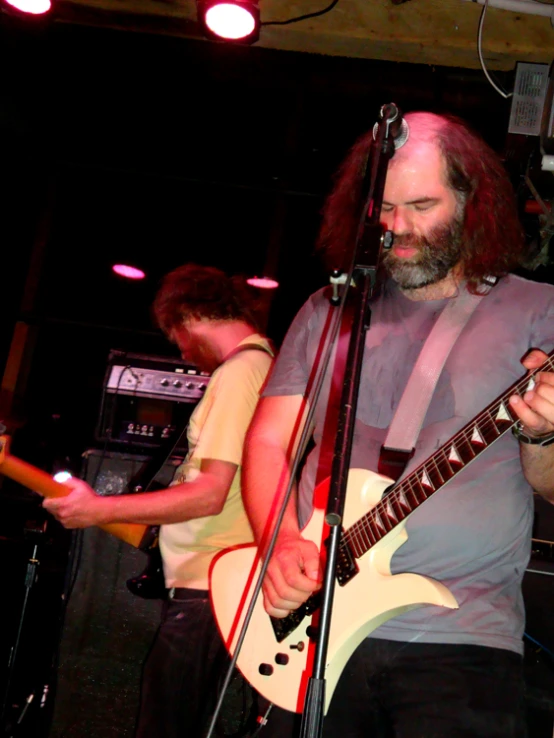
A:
(282, 659)
(265, 669)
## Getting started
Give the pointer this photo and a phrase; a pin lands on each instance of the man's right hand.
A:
(294, 573)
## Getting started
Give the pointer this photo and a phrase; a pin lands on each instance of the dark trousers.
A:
(183, 674)
(418, 690)
(411, 690)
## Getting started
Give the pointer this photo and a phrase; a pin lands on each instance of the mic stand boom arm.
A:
(364, 267)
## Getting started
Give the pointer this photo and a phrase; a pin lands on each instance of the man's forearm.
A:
(265, 476)
(271, 443)
(538, 467)
(172, 505)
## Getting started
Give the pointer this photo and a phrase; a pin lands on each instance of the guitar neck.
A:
(39, 481)
(412, 491)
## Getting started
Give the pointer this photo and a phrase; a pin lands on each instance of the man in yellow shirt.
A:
(211, 318)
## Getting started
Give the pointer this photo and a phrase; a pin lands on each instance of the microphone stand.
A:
(370, 239)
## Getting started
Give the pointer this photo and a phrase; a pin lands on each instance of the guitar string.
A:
(374, 523)
(356, 538)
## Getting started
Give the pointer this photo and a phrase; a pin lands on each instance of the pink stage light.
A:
(32, 7)
(264, 283)
(230, 21)
(129, 272)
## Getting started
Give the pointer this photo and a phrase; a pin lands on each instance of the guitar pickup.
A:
(347, 568)
(283, 627)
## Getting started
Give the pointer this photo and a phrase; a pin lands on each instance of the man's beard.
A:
(438, 253)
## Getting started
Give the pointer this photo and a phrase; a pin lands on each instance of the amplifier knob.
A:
(189, 385)
(177, 383)
(164, 382)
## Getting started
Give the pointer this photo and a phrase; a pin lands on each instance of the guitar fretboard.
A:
(437, 470)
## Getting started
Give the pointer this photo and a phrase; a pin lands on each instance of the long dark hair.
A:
(493, 240)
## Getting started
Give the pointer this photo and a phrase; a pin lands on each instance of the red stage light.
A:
(32, 7)
(264, 283)
(129, 272)
(230, 20)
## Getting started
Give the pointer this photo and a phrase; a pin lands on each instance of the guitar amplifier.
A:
(147, 400)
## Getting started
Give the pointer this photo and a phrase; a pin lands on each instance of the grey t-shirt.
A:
(474, 534)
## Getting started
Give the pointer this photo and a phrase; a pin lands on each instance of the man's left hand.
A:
(80, 509)
(536, 409)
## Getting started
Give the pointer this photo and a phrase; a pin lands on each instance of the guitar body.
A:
(280, 670)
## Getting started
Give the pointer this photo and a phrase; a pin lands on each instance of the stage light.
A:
(127, 271)
(263, 283)
(28, 7)
(230, 20)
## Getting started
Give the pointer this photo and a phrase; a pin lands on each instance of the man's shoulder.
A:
(256, 342)
(253, 354)
(314, 308)
(515, 286)
(254, 349)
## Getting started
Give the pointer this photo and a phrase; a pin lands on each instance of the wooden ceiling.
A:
(438, 32)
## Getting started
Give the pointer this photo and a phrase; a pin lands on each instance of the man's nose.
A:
(401, 222)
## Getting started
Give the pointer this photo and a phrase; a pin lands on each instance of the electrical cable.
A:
(301, 17)
(539, 644)
(480, 52)
(262, 720)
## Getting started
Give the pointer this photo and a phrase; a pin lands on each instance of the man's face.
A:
(194, 340)
(424, 215)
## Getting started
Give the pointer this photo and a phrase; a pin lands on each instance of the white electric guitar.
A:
(277, 654)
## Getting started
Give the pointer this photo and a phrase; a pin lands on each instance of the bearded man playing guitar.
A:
(431, 671)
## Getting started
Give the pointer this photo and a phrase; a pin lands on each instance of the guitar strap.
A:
(399, 445)
(252, 347)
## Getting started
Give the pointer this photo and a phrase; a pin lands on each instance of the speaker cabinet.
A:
(107, 631)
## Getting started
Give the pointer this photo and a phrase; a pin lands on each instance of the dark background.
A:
(158, 151)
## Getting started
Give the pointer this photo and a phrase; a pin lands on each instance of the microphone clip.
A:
(337, 279)
(395, 125)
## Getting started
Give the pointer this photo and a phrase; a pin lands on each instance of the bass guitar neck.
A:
(39, 481)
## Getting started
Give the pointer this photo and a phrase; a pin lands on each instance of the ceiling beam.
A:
(437, 32)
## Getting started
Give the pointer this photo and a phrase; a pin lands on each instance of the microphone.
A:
(397, 127)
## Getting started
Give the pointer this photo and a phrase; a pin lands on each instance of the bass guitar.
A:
(39, 481)
(276, 655)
